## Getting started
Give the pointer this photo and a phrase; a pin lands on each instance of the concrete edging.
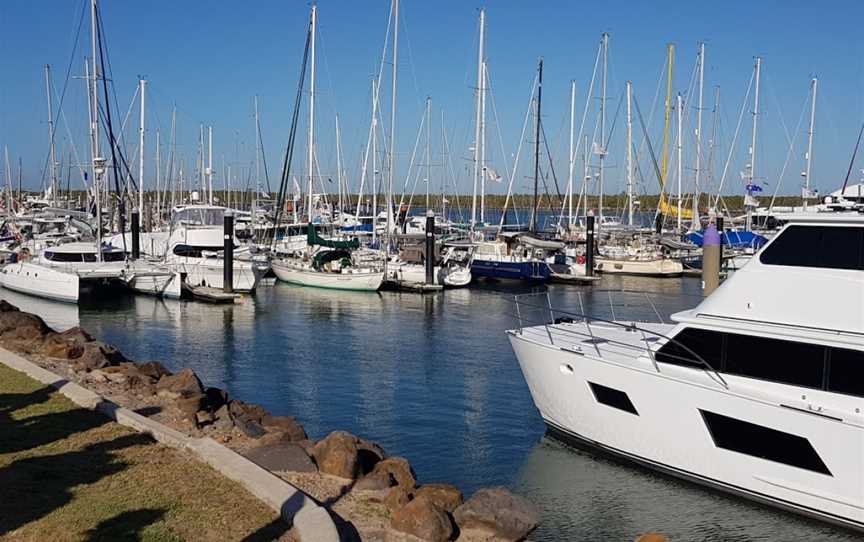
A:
(311, 520)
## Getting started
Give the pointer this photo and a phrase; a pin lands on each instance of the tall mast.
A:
(98, 161)
(667, 117)
(752, 167)
(697, 185)
(809, 157)
(483, 168)
(173, 157)
(571, 154)
(428, 149)
(210, 164)
(142, 85)
(629, 153)
(537, 146)
(392, 171)
(257, 152)
(201, 176)
(680, 107)
(478, 120)
(375, 86)
(338, 165)
(53, 156)
(158, 180)
(311, 158)
(605, 39)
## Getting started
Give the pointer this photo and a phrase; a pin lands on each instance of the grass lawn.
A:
(67, 473)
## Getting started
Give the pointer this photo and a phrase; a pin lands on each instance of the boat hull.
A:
(644, 268)
(360, 281)
(210, 272)
(494, 269)
(668, 430)
(40, 281)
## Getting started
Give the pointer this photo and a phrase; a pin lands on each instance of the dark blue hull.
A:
(527, 271)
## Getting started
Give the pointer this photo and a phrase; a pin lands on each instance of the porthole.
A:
(566, 369)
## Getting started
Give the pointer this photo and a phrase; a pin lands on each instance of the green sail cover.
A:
(313, 238)
(328, 256)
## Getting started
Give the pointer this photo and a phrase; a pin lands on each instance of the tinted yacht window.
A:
(799, 364)
(847, 372)
(706, 344)
(835, 247)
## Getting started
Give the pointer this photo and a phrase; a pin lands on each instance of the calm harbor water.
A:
(432, 378)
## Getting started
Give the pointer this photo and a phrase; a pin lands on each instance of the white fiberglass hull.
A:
(38, 280)
(662, 267)
(155, 281)
(669, 431)
(210, 272)
(358, 280)
(451, 277)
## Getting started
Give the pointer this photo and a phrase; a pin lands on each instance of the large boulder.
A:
(336, 454)
(499, 513)
(222, 419)
(282, 456)
(369, 454)
(246, 411)
(286, 425)
(153, 369)
(399, 471)
(183, 384)
(396, 498)
(424, 519)
(445, 496)
(216, 398)
(652, 537)
(21, 331)
(189, 405)
(97, 355)
(66, 345)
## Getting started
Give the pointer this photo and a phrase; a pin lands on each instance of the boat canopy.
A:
(327, 256)
(540, 243)
(734, 239)
(312, 238)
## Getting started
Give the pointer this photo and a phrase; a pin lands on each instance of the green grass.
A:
(66, 473)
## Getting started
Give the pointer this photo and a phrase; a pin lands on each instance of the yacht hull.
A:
(210, 272)
(668, 428)
(40, 281)
(494, 269)
(450, 277)
(361, 281)
(644, 268)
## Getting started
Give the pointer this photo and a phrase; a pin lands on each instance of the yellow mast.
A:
(664, 166)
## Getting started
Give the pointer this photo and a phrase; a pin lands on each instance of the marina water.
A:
(432, 378)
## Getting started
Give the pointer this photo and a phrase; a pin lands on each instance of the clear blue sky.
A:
(211, 58)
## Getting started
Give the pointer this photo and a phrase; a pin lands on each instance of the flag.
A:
(753, 187)
(492, 175)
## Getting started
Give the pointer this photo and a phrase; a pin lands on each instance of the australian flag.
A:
(753, 188)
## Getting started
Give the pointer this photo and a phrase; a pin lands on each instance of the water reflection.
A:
(592, 498)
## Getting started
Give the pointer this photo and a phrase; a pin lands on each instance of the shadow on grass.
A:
(35, 431)
(33, 487)
(125, 527)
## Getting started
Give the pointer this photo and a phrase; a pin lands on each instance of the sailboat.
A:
(324, 263)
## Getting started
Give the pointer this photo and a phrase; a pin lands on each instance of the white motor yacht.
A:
(758, 390)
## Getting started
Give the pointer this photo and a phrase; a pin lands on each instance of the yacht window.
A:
(65, 257)
(799, 364)
(612, 397)
(193, 252)
(834, 247)
(706, 344)
(114, 256)
(846, 374)
(763, 442)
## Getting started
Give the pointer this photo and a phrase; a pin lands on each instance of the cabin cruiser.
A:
(194, 245)
(452, 268)
(520, 256)
(758, 390)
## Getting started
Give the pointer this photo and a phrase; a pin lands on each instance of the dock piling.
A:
(430, 247)
(228, 253)
(710, 260)
(136, 234)
(589, 246)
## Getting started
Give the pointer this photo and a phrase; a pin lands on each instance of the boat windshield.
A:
(199, 216)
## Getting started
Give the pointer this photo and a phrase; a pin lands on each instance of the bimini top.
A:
(199, 215)
(810, 275)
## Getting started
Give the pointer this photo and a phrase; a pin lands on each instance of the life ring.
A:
(580, 259)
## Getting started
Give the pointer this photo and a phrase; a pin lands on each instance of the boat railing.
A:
(528, 315)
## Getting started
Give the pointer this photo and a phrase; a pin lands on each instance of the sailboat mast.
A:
(338, 166)
(142, 85)
(752, 167)
(158, 179)
(483, 168)
(697, 184)
(813, 84)
(478, 121)
(51, 136)
(257, 152)
(210, 163)
(391, 173)
(311, 149)
(537, 146)
(667, 118)
(375, 86)
(629, 153)
(571, 154)
(428, 150)
(605, 39)
(98, 162)
(680, 108)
